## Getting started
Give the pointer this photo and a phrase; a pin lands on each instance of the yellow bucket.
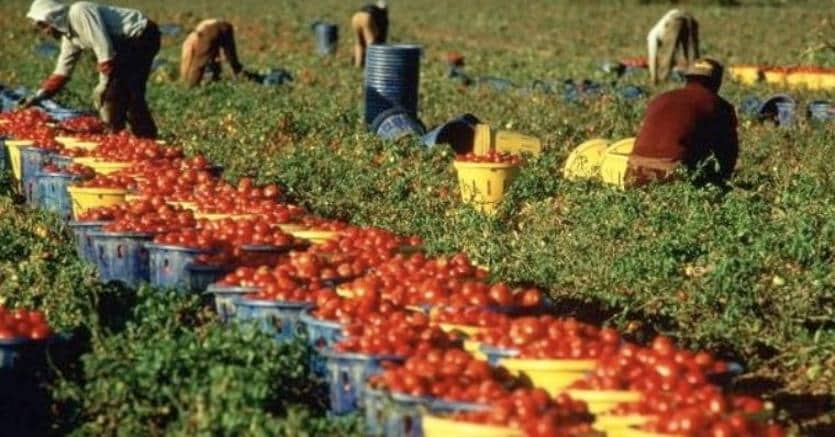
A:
(516, 143)
(634, 432)
(468, 331)
(551, 375)
(484, 184)
(192, 206)
(315, 236)
(748, 75)
(212, 216)
(619, 422)
(482, 139)
(344, 292)
(290, 227)
(584, 161)
(103, 167)
(775, 77)
(435, 426)
(66, 140)
(615, 162)
(798, 80)
(83, 145)
(601, 401)
(87, 198)
(14, 147)
(133, 197)
(827, 81)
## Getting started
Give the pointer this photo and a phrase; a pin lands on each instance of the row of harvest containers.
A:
(419, 345)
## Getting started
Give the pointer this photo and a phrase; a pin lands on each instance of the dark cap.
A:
(706, 67)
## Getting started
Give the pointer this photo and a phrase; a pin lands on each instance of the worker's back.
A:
(685, 125)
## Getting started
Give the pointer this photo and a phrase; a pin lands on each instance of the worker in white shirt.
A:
(125, 43)
(675, 37)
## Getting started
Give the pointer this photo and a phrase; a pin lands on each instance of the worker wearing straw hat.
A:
(674, 38)
(370, 25)
(687, 126)
(125, 43)
(202, 49)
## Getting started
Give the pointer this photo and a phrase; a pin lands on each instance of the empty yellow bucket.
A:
(14, 147)
(436, 426)
(774, 77)
(584, 161)
(484, 184)
(601, 401)
(615, 162)
(102, 167)
(827, 81)
(88, 198)
(516, 143)
(551, 375)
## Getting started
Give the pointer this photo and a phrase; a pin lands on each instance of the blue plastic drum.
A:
(327, 37)
(167, 264)
(54, 197)
(122, 256)
(83, 240)
(32, 159)
(392, 75)
(277, 318)
(226, 299)
(347, 374)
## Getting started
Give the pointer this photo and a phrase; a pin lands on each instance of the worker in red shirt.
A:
(687, 126)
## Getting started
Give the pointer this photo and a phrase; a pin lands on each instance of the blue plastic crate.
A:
(346, 376)
(200, 277)
(61, 161)
(32, 160)
(167, 265)
(277, 318)
(4, 156)
(395, 414)
(83, 241)
(226, 299)
(494, 354)
(122, 256)
(54, 197)
(321, 334)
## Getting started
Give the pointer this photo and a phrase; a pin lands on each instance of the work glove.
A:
(100, 91)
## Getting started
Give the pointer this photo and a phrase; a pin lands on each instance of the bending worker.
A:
(125, 43)
(676, 32)
(687, 126)
(371, 26)
(201, 53)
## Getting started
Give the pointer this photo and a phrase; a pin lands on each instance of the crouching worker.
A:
(687, 126)
(370, 25)
(202, 49)
(125, 43)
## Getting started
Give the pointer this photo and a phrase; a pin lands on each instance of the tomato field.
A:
(739, 274)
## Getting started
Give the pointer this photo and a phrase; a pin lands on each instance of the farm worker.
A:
(687, 126)
(676, 31)
(201, 52)
(371, 26)
(125, 43)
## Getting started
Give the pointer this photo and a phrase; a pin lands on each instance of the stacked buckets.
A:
(392, 73)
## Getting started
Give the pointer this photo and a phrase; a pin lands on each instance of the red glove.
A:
(106, 67)
(53, 84)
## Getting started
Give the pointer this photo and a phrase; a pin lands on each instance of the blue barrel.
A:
(396, 123)
(327, 36)
(201, 276)
(277, 318)
(346, 377)
(32, 159)
(785, 114)
(458, 132)
(52, 190)
(83, 240)
(167, 265)
(392, 76)
(321, 334)
(122, 257)
(496, 83)
(226, 298)
(820, 111)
